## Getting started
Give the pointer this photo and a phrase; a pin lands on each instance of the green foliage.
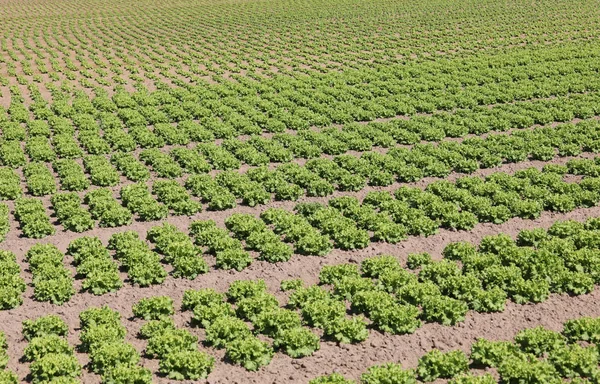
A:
(416, 260)
(3, 351)
(154, 308)
(39, 347)
(54, 365)
(186, 365)
(334, 378)
(51, 280)
(582, 329)
(94, 337)
(107, 356)
(204, 296)
(276, 320)
(297, 342)
(539, 340)
(531, 237)
(246, 288)
(224, 330)
(375, 266)
(171, 340)
(291, 285)
(33, 219)
(459, 251)
(444, 310)
(394, 279)
(439, 271)
(319, 313)
(249, 352)
(387, 374)
(331, 273)
(491, 300)
(416, 293)
(13, 285)
(472, 379)
(302, 296)
(205, 315)
(155, 327)
(250, 307)
(44, 326)
(394, 318)
(123, 374)
(518, 370)
(4, 221)
(492, 353)
(347, 330)
(237, 259)
(10, 188)
(574, 361)
(143, 266)
(525, 291)
(8, 377)
(436, 364)
(94, 317)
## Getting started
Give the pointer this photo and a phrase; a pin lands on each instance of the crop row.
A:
(547, 192)
(457, 205)
(307, 144)
(318, 177)
(4, 221)
(245, 233)
(130, 54)
(178, 250)
(52, 281)
(103, 338)
(95, 265)
(562, 259)
(165, 56)
(12, 284)
(69, 213)
(431, 128)
(52, 358)
(6, 376)
(536, 355)
(321, 176)
(232, 320)
(335, 97)
(106, 209)
(39, 179)
(32, 218)
(175, 348)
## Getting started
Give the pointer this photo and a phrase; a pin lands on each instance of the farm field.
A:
(308, 191)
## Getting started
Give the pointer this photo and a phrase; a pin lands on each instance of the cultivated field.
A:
(307, 191)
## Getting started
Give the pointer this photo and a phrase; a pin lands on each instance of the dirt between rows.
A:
(350, 360)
